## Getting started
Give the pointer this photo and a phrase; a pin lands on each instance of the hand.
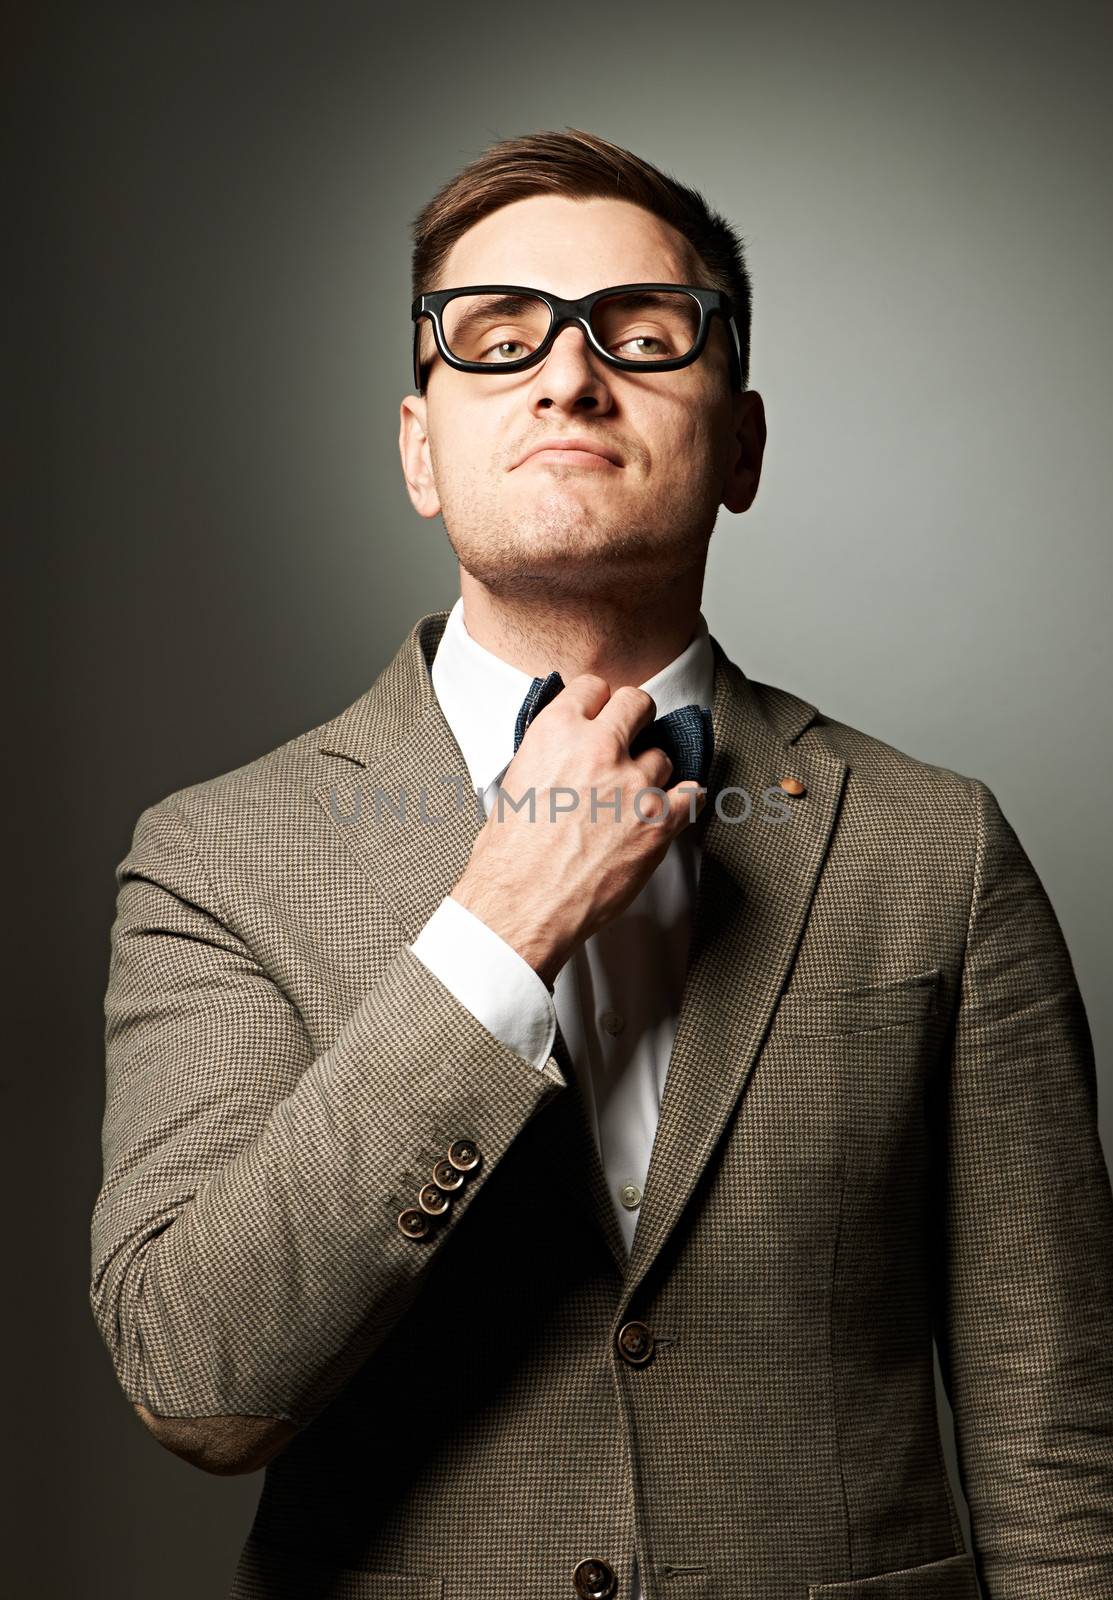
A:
(547, 884)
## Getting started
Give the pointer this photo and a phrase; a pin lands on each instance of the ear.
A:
(747, 449)
(417, 466)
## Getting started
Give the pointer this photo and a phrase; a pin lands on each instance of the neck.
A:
(623, 639)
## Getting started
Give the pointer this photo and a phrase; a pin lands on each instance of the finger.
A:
(582, 696)
(587, 693)
(628, 710)
(655, 766)
(686, 800)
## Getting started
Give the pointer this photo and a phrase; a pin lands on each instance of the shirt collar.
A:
(480, 694)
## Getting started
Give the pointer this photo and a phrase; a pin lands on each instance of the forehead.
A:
(570, 247)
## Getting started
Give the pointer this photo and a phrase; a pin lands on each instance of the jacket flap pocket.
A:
(881, 1005)
(953, 1578)
(271, 1572)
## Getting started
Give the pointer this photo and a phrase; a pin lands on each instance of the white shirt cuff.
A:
(489, 976)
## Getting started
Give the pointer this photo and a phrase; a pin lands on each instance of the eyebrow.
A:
(507, 304)
(495, 305)
(647, 298)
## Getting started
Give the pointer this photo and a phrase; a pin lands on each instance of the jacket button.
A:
(414, 1223)
(433, 1200)
(445, 1176)
(791, 785)
(635, 1343)
(463, 1154)
(593, 1580)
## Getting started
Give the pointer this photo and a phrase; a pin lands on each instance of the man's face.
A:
(685, 443)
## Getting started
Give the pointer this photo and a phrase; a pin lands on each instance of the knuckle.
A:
(605, 734)
(638, 698)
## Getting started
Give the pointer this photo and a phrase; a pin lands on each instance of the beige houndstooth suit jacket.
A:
(879, 1125)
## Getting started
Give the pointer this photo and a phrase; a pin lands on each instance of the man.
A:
(561, 1198)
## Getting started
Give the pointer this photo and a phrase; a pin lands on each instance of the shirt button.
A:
(613, 1021)
(630, 1195)
(594, 1580)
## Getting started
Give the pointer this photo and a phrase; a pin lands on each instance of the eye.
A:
(517, 348)
(643, 339)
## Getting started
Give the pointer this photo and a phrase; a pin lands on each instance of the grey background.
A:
(214, 549)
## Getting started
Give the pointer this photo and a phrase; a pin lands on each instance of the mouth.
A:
(573, 450)
(570, 458)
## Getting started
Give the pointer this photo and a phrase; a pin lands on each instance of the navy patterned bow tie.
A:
(684, 735)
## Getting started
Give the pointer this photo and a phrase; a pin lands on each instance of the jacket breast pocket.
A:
(830, 1012)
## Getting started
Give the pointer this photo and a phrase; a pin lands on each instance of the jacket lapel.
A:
(757, 879)
(400, 795)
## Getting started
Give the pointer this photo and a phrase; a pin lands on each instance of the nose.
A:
(572, 374)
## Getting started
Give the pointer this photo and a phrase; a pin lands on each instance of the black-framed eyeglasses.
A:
(636, 327)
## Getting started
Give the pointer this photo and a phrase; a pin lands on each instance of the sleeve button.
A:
(414, 1223)
(463, 1155)
(445, 1176)
(433, 1200)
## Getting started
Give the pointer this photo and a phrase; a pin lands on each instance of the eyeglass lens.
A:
(639, 325)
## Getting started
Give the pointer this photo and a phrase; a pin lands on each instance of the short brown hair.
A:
(580, 165)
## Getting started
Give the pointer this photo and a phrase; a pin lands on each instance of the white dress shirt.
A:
(618, 996)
